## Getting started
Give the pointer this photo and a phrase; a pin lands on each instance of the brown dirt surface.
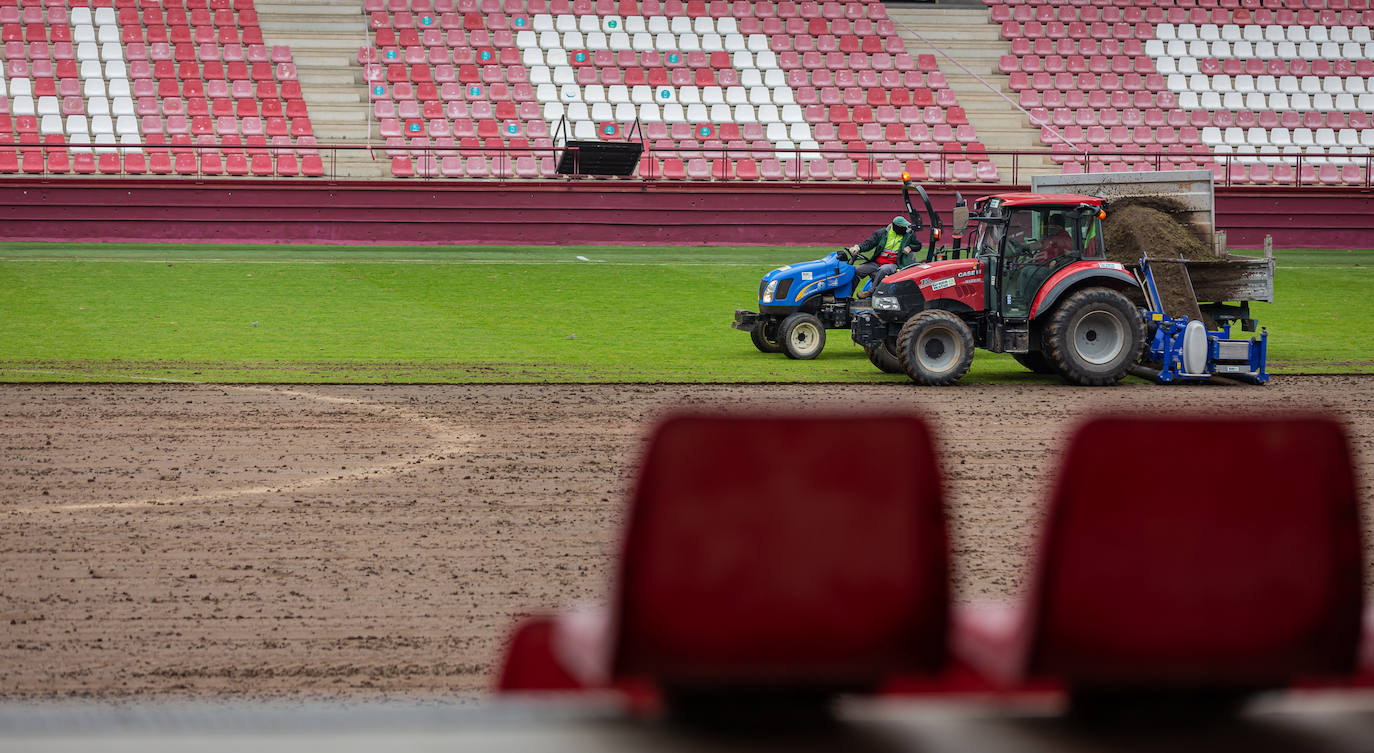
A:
(365, 542)
(1148, 225)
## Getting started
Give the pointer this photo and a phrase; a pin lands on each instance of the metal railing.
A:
(435, 162)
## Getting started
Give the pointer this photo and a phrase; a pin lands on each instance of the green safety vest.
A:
(892, 249)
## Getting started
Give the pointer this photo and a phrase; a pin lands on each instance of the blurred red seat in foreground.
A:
(791, 576)
(1187, 555)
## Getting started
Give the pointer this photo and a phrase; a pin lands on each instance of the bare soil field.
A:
(365, 542)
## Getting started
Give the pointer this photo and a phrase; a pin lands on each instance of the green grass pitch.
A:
(491, 314)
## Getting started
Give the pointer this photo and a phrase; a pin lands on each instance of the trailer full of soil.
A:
(1170, 218)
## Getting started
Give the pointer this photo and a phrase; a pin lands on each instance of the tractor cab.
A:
(1022, 240)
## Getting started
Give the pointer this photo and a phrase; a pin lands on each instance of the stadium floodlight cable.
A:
(1034, 120)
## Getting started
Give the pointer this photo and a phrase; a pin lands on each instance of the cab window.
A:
(988, 237)
(1039, 242)
(1041, 235)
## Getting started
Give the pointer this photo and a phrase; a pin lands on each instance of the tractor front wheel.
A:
(802, 336)
(765, 336)
(935, 347)
(1094, 336)
(884, 357)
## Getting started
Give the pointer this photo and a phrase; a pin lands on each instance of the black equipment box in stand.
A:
(600, 157)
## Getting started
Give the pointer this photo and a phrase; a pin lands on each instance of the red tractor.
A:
(1036, 284)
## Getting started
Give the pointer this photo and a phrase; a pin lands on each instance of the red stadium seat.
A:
(58, 161)
(185, 163)
(260, 164)
(1167, 591)
(673, 169)
(159, 162)
(83, 163)
(771, 169)
(109, 164)
(746, 169)
(236, 163)
(477, 167)
(761, 616)
(287, 165)
(135, 163)
(401, 167)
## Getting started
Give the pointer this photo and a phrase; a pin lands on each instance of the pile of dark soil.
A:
(1153, 226)
(1176, 294)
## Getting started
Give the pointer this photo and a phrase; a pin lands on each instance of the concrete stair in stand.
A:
(324, 36)
(967, 34)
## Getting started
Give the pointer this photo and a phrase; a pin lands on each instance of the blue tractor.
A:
(799, 302)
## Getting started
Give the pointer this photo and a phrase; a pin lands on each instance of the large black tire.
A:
(882, 356)
(1094, 336)
(1035, 361)
(802, 336)
(765, 336)
(935, 347)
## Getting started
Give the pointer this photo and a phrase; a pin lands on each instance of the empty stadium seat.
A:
(98, 69)
(1243, 574)
(1203, 71)
(730, 569)
(719, 69)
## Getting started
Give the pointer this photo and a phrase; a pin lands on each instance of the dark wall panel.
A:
(580, 212)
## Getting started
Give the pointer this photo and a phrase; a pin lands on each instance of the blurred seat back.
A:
(780, 552)
(1197, 553)
(531, 661)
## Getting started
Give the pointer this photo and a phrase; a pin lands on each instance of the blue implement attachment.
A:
(1186, 351)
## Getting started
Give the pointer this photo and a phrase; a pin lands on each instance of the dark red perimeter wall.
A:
(570, 213)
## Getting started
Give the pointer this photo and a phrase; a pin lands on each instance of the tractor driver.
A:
(1057, 240)
(893, 247)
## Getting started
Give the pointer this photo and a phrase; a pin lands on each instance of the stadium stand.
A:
(1256, 91)
(164, 88)
(1259, 92)
(716, 90)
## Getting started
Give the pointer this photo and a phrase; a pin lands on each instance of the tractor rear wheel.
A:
(802, 336)
(935, 347)
(765, 336)
(1094, 336)
(1034, 361)
(884, 357)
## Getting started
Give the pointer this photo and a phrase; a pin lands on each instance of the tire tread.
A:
(1057, 344)
(911, 331)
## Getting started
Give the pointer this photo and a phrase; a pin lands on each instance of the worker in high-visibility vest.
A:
(894, 246)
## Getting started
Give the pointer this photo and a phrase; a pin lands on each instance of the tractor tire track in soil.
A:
(360, 542)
